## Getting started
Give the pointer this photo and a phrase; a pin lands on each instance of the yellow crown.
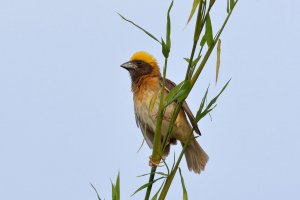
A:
(144, 56)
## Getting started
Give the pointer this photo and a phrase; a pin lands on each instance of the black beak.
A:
(129, 65)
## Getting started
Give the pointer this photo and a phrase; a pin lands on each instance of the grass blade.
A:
(211, 104)
(195, 4)
(144, 134)
(208, 31)
(185, 195)
(146, 185)
(178, 93)
(159, 173)
(168, 37)
(118, 187)
(227, 8)
(152, 103)
(200, 20)
(218, 60)
(139, 27)
(165, 49)
(231, 4)
(170, 97)
(203, 40)
(187, 60)
(140, 146)
(156, 194)
(212, 2)
(198, 115)
(214, 100)
(98, 196)
(115, 189)
(113, 192)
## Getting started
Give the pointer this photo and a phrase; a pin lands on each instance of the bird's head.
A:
(141, 64)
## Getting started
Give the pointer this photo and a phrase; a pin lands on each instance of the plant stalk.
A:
(170, 178)
(157, 142)
(202, 64)
(151, 178)
(156, 152)
(193, 81)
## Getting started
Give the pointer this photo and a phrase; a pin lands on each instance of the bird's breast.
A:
(146, 95)
(146, 106)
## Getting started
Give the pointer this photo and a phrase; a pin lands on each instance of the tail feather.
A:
(196, 158)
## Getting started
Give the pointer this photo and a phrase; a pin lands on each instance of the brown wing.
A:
(169, 85)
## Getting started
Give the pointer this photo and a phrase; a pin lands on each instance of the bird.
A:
(146, 83)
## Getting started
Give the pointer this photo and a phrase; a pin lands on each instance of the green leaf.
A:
(208, 36)
(139, 27)
(200, 20)
(159, 173)
(178, 93)
(211, 2)
(169, 98)
(98, 196)
(205, 112)
(168, 38)
(144, 133)
(231, 4)
(208, 32)
(218, 60)
(156, 194)
(185, 195)
(198, 115)
(166, 164)
(187, 60)
(152, 103)
(228, 7)
(183, 92)
(174, 162)
(115, 189)
(203, 40)
(194, 63)
(118, 187)
(195, 4)
(165, 49)
(211, 105)
(213, 101)
(141, 145)
(113, 192)
(146, 185)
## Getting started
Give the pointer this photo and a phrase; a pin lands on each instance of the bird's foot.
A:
(155, 164)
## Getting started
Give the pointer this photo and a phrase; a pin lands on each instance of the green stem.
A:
(178, 108)
(171, 124)
(156, 152)
(197, 32)
(188, 75)
(199, 23)
(170, 178)
(151, 178)
(188, 72)
(202, 64)
(193, 81)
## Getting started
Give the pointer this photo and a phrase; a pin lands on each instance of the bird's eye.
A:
(139, 62)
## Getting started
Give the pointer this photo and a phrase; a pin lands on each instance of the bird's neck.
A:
(145, 82)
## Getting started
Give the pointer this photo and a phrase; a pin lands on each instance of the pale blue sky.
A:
(66, 111)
